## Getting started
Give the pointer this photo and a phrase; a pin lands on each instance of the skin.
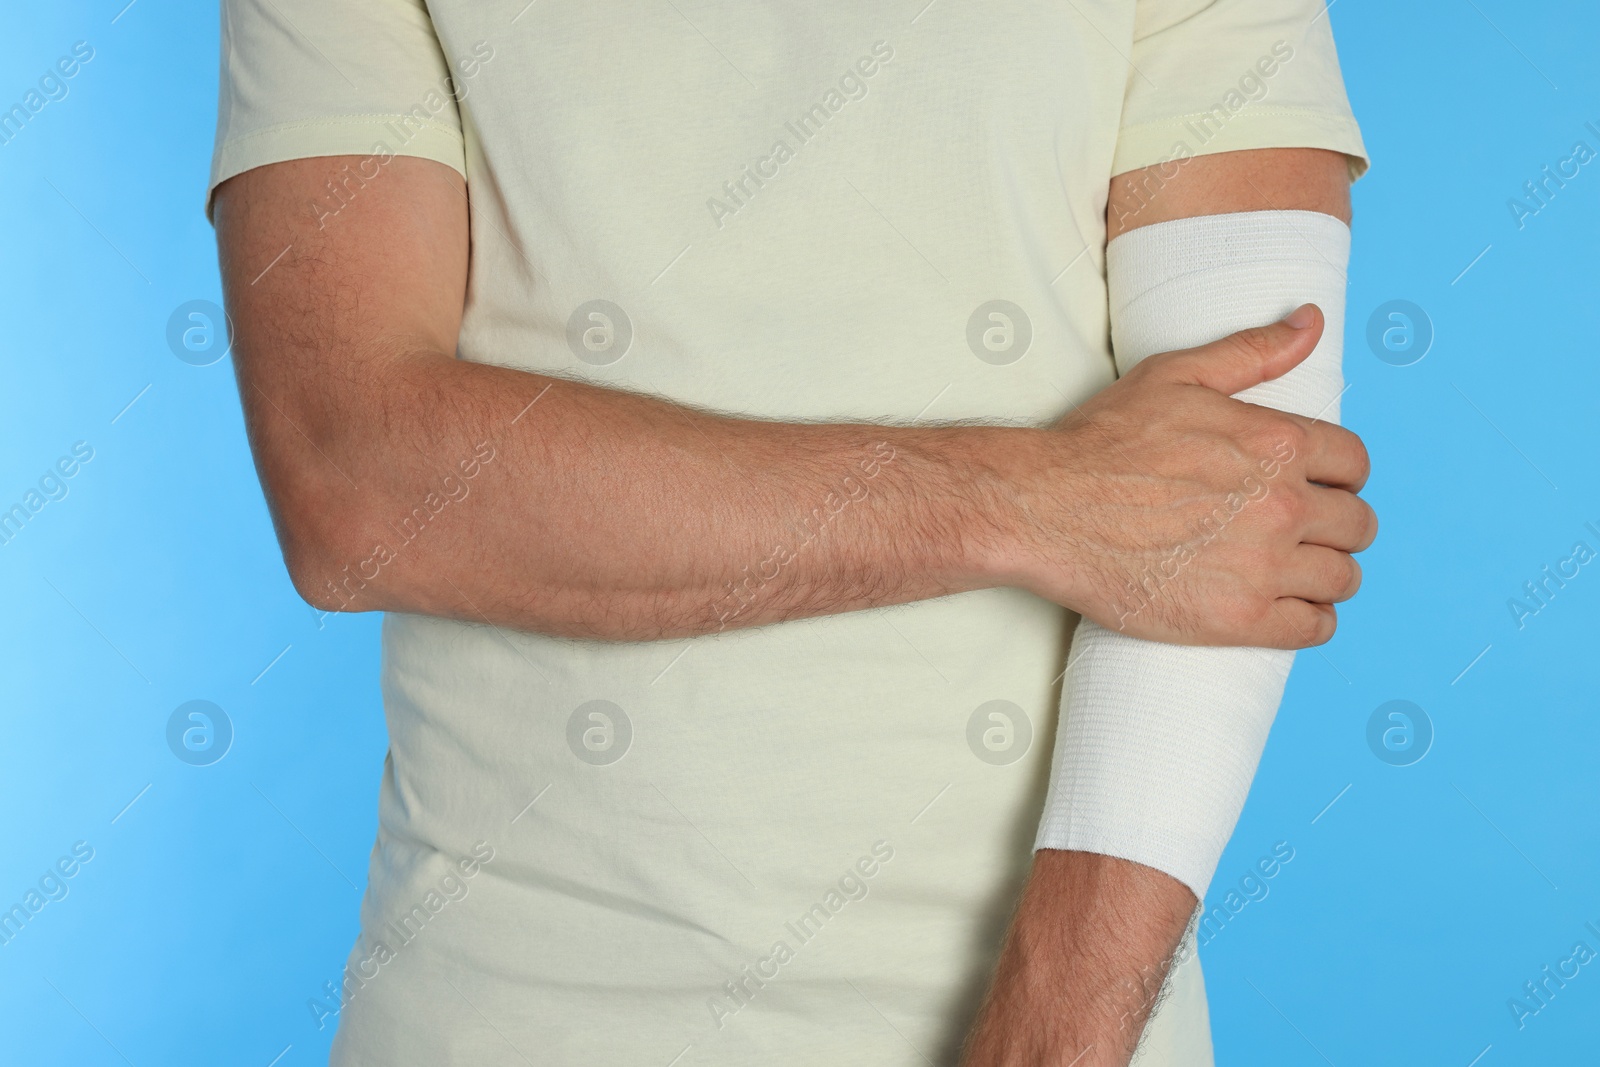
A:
(615, 516)
(1094, 936)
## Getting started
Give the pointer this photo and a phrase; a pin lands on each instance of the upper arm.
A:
(336, 190)
(316, 282)
(1264, 179)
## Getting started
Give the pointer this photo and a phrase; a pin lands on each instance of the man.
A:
(718, 400)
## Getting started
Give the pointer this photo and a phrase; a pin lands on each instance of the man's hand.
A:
(1193, 518)
(1082, 964)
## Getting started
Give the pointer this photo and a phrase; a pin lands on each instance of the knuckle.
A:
(1310, 625)
(1331, 576)
(1298, 628)
(1363, 459)
(1327, 625)
(1354, 586)
(1258, 611)
(1313, 628)
(1348, 577)
(1154, 366)
(1369, 527)
(1292, 433)
(1284, 509)
(1277, 440)
(1256, 341)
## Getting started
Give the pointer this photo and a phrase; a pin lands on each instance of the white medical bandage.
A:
(1157, 744)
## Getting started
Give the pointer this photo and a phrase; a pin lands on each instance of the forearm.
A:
(600, 513)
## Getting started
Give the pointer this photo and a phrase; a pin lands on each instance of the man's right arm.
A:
(614, 515)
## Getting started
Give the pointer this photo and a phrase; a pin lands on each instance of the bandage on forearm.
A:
(1157, 744)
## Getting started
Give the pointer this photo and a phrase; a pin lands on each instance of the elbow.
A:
(332, 565)
(333, 530)
(323, 574)
(324, 587)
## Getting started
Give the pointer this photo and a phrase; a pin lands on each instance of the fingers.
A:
(1339, 519)
(1246, 358)
(1295, 624)
(1335, 456)
(1320, 575)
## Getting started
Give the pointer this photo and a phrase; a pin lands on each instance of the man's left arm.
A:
(1095, 935)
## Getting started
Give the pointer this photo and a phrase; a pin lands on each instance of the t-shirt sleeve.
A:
(304, 78)
(1227, 75)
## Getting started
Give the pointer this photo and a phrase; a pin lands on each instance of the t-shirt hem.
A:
(1149, 143)
(354, 136)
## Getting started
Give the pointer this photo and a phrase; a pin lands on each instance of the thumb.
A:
(1249, 357)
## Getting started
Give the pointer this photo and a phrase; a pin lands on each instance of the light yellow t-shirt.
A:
(797, 844)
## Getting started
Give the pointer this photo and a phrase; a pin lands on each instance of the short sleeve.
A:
(304, 78)
(1226, 75)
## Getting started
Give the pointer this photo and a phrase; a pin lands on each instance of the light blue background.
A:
(223, 898)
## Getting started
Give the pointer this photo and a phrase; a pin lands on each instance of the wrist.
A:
(1009, 542)
(973, 517)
